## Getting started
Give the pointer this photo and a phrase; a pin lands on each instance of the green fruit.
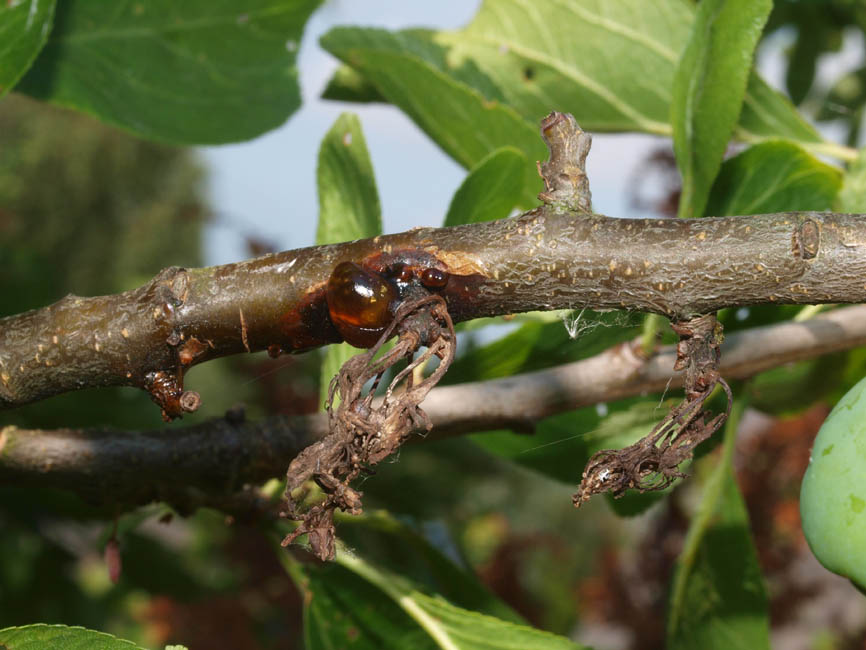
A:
(833, 494)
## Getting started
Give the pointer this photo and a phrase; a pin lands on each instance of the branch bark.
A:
(208, 462)
(549, 258)
(558, 255)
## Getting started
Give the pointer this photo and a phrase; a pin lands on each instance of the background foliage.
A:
(469, 542)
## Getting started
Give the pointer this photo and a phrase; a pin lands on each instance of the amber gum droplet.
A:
(401, 273)
(434, 278)
(359, 303)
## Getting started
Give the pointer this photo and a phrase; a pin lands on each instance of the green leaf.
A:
(610, 64)
(708, 91)
(342, 610)
(718, 598)
(562, 444)
(348, 209)
(803, 56)
(852, 196)
(24, 28)
(448, 626)
(463, 629)
(491, 189)
(793, 388)
(388, 542)
(773, 176)
(458, 118)
(348, 85)
(540, 344)
(352, 602)
(769, 114)
(60, 637)
(193, 72)
(845, 98)
(348, 201)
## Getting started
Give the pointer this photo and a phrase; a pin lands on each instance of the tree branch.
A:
(208, 462)
(558, 255)
(548, 258)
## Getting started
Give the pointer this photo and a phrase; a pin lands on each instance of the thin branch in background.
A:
(123, 470)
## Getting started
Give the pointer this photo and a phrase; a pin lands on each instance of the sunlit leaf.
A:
(353, 602)
(192, 72)
(392, 544)
(610, 64)
(459, 118)
(24, 28)
(348, 201)
(708, 91)
(343, 610)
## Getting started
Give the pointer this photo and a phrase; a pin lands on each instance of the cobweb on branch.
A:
(579, 323)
